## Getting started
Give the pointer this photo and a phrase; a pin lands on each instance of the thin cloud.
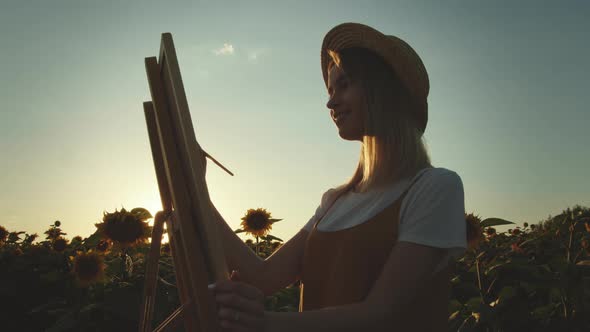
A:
(227, 49)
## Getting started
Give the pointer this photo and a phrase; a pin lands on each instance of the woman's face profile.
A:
(346, 104)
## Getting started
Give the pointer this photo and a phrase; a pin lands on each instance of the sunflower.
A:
(30, 238)
(257, 222)
(474, 232)
(126, 228)
(3, 234)
(54, 233)
(60, 244)
(89, 268)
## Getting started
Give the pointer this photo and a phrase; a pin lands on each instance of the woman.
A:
(375, 254)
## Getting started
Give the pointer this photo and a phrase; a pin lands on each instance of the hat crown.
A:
(398, 54)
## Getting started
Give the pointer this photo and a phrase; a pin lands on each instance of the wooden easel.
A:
(187, 210)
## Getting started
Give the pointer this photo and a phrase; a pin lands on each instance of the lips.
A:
(338, 116)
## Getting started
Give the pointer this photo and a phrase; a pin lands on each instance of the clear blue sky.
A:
(508, 103)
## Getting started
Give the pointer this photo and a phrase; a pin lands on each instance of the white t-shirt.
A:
(432, 213)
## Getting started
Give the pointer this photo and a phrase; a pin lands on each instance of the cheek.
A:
(359, 108)
(357, 102)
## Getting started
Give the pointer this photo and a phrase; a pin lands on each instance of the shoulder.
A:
(325, 201)
(433, 212)
(327, 196)
(436, 188)
(436, 180)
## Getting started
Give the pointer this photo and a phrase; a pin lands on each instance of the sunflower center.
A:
(257, 221)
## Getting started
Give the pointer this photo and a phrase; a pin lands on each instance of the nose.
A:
(331, 103)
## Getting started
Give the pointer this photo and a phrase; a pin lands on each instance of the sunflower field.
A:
(534, 277)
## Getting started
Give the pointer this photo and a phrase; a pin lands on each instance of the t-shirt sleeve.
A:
(320, 209)
(433, 214)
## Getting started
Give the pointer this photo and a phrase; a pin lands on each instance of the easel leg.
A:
(151, 273)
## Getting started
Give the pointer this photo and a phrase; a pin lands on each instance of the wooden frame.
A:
(187, 209)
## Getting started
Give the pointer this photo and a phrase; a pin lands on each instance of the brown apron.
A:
(340, 267)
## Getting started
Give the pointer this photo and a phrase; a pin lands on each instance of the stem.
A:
(124, 264)
(479, 278)
(257, 245)
(578, 256)
(491, 285)
(569, 246)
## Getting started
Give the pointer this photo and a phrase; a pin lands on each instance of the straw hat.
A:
(404, 61)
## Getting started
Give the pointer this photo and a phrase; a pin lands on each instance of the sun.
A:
(154, 205)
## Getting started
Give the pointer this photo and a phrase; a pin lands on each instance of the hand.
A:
(240, 305)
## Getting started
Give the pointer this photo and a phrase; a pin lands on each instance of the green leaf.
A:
(114, 266)
(455, 305)
(51, 276)
(270, 238)
(555, 294)
(468, 324)
(543, 312)
(506, 294)
(239, 230)
(474, 303)
(48, 306)
(494, 222)
(90, 307)
(166, 282)
(66, 323)
(93, 240)
(454, 315)
(274, 220)
(142, 214)
(524, 243)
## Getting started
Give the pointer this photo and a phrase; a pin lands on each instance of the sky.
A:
(507, 106)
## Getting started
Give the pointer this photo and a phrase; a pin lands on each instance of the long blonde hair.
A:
(393, 146)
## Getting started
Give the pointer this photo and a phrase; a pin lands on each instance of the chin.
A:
(349, 136)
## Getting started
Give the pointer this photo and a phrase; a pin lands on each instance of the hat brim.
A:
(398, 54)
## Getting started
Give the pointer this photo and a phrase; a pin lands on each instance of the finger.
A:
(246, 290)
(235, 301)
(244, 319)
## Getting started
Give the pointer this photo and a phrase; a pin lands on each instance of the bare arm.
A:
(283, 267)
(238, 255)
(276, 272)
